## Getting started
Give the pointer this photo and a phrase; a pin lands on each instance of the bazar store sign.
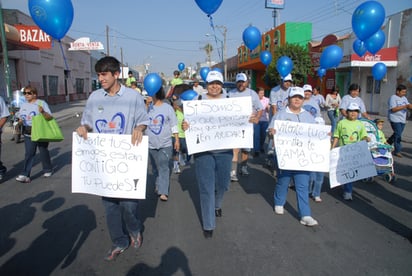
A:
(34, 36)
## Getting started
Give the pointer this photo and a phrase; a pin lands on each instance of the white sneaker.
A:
(23, 179)
(47, 174)
(308, 221)
(244, 170)
(233, 176)
(176, 170)
(279, 210)
(347, 196)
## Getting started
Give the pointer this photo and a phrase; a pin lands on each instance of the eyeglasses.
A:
(27, 93)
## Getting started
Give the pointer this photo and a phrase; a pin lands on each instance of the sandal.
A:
(163, 197)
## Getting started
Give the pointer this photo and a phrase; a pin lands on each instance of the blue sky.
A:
(165, 33)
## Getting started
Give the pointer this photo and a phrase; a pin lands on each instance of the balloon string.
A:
(212, 25)
(64, 57)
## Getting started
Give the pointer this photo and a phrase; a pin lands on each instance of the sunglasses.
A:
(27, 93)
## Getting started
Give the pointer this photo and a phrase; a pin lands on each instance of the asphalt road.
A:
(47, 230)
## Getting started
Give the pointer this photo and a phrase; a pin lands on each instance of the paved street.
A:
(47, 230)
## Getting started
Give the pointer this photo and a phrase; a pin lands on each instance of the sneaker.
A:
(47, 174)
(279, 210)
(347, 196)
(114, 252)
(244, 170)
(308, 221)
(136, 240)
(23, 179)
(176, 170)
(233, 176)
(318, 199)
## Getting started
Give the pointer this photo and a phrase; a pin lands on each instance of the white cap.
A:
(296, 90)
(214, 76)
(307, 87)
(288, 78)
(241, 77)
(353, 106)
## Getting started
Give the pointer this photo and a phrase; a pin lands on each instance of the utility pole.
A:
(5, 54)
(223, 30)
(107, 41)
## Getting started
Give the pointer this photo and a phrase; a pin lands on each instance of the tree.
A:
(302, 64)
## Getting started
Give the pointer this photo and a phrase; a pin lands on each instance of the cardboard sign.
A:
(109, 165)
(218, 124)
(350, 163)
(302, 146)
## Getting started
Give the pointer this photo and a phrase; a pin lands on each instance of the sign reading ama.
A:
(109, 165)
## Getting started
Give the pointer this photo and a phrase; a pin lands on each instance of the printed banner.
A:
(109, 165)
(350, 163)
(302, 146)
(218, 124)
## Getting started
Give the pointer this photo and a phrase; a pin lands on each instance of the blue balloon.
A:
(54, 17)
(251, 37)
(181, 66)
(152, 83)
(284, 66)
(203, 72)
(331, 57)
(188, 95)
(209, 6)
(379, 71)
(367, 19)
(359, 47)
(375, 42)
(265, 57)
(321, 72)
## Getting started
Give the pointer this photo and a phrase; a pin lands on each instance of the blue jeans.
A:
(333, 120)
(121, 212)
(259, 135)
(3, 169)
(347, 188)
(301, 179)
(213, 178)
(31, 148)
(315, 183)
(396, 136)
(161, 168)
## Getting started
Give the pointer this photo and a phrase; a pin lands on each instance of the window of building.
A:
(79, 86)
(53, 85)
(373, 85)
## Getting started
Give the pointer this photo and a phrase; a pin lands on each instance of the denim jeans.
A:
(161, 168)
(213, 178)
(315, 183)
(333, 120)
(31, 148)
(3, 169)
(121, 212)
(259, 135)
(396, 136)
(348, 187)
(301, 179)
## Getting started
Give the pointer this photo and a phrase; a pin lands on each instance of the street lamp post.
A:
(223, 47)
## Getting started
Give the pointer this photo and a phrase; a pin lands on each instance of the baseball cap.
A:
(214, 76)
(241, 77)
(377, 121)
(288, 78)
(353, 107)
(296, 91)
(307, 87)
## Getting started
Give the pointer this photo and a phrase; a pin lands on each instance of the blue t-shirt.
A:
(163, 123)
(348, 99)
(29, 110)
(256, 104)
(118, 114)
(312, 107)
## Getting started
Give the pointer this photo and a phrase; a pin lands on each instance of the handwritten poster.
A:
(218, 124)
(350, 163)
(302, 146)
(109, 165)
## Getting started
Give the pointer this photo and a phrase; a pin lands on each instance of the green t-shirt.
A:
(381, 136)
(350, 132)
(176, 81)
(129, 81)
(180, 117)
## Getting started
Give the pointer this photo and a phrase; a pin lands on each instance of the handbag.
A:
(43, 130)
